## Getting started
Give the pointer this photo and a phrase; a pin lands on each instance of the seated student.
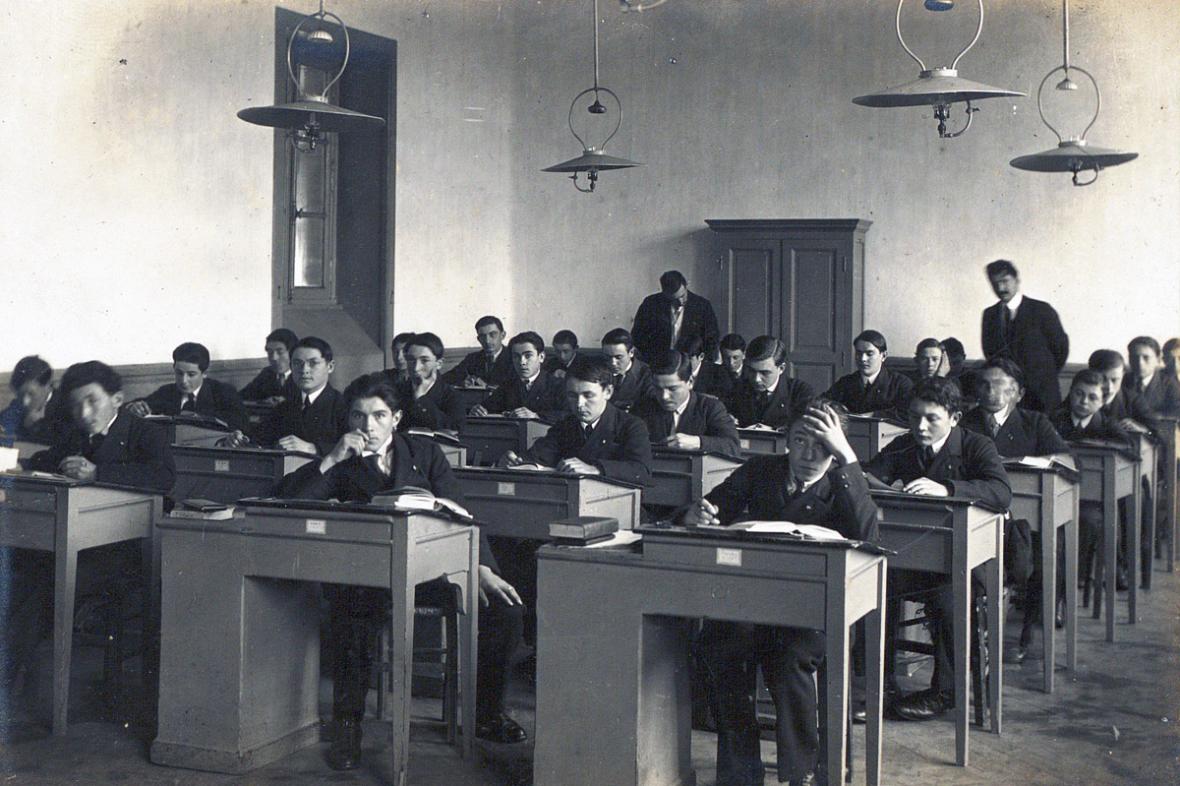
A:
(872, 388)
(400, 371)
(1081, 417)
(534, 393)
(1172, 358)
(930, 359)
(956, 369)
(707, 376)
(488, 366)
(371, 459)
(1016, 432)
(1155, 392)
(631, 376)
(101, 444)
(37, 412)
(193, 391)
(733, 366)
(314, 421)
(769, 396)
(430, 402)
(1110, 364)
(273, 384)
(938, 458)
(818, 482)
(677, 416)
(565, 351)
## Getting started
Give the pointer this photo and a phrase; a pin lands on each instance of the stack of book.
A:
(582, 530)
(202, 509)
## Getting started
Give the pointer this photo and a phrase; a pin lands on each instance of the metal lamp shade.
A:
(938, 86)
(591, 160)
(298, 114)
(1072, 156)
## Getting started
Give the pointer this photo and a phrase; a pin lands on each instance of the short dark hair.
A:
(528, 337)
(691, 345)
(400, 338)
(565, 337)
(672, 362)
(763, 347)
(373, 386)
(1169, 347)
(30, 367)
(1086, 376)
(954, 348)
(672, 281)
(1144, 341)
(316, 343)
(1105, 360)
(819, 402)
(874, 337)
(1001, 267)
(428, 340)
(192, 352)
(484, 321)
(588, 369)
(80, 375)
(732, 341)
(1007, 365)
(284, 335)
(929, 343)
(619, 336)
(940, 391)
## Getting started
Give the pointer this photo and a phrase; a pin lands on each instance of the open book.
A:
(1043, 462)
(445, 436)
(805, 531)
(531, 467)
(414, 498)
(758, 427)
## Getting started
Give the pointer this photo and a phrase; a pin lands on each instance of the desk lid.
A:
(200, 421)
(1111, 445)
(732, 533)
(328, 506)
(53, 479)
(244, 450)
(875, 417)
(888, 495)
(666, 450)
(518, 475)
(760, 430)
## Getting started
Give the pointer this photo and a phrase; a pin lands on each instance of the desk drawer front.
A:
(312, 526)
(669, 488)
(751, 558)
(918, 548)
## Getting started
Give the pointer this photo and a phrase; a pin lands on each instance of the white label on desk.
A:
(745, 443)
(506, 489)
(221, 465)
(317, 527)
(732, 557)
(3, 495)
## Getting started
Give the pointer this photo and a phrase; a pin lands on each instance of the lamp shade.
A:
(1072, 155)
(935, 86)
(591, 160)
(299, 114)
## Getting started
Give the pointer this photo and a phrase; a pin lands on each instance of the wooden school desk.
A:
(1048, 498)
(1109, 473)
(521, 504)
(682, 476)
(239, 663)
(1149, 453)
(950, 536)
(755, 441)
(491, 436)
(191, 429)
(448, 442)
(867, 434)
(230, 474)
(64, 516)
(613, 703)
(25, 450)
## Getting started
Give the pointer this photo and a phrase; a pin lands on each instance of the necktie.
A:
(586, 430)
(1005, 322)
(618, 382)
(306, 404)
(927, 458)
(993, 425)
(189, 404)
(669, 423)
(763, 400)
(374, 462)
(96, 441)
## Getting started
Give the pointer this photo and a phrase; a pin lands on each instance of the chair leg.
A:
(385, 656)
(979, 668)
(451, 679)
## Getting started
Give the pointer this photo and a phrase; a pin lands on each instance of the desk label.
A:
(731, 557)
(317, 527)
(221, 465)
(745, 444)
(506, 489)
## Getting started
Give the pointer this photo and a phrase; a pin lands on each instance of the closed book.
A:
(583, 529)
(223, 514)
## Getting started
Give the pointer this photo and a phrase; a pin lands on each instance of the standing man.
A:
(672, 315)
(1027, 332)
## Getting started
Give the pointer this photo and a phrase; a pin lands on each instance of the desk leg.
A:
(836, 688)
(995, 631)
(1048, 594)
(65, 576)
(1134, 537)
(1110, 524)
(961, 632)
(1148, 548)
(875, 683)
(469, 653)
(1071, 590)
(402, 636)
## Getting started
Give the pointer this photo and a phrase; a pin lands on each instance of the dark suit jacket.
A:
(758, 490)
(52, 427)
(788, 395)
(266, 384)
(475, 364)
(619, 446)
(553, 363)
(1161, 397)
(326, 420)
(546, 397)
(1024, 433)
(968, 464)
(704, 417)
(214, 399)
(1037, 343)
(714, 379)
(416, 462)
(1099, 427)
(889, 394)
(440, 408)
(652, 328)
(635, 386)
(135, 452)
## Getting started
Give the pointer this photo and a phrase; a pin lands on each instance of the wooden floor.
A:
(1115, 722)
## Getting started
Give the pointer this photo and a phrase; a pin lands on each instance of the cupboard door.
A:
(812, 277)
(750, 269)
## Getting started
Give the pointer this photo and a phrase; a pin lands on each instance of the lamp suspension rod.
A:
(595, 9)
(1065, 35)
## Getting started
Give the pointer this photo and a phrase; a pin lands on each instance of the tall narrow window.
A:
(312, 239)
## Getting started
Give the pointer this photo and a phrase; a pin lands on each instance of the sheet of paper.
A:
(9, 459)
(759, 427)
(813, 531)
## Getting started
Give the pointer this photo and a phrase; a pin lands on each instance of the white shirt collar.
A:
(680, 409)
(312, 396)
(1015, 302)
(184, 396)
(1080, 423)
(770, 390)
(937, 446)
(528, 383)
(1002, 416)
(110, 423)
(1142, 384)
(870, 380)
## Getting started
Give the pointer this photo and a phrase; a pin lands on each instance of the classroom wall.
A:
(139, 206)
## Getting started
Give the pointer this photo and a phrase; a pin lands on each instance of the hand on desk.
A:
(235, 439)
(521, 412)
(682, 441)
(292, 442)
(77, 467)
(509, 459)
(927, 487)
(577, 467)
(139, 408)
(702, 513)
(1133, 426)
(478, 411)
(474, 382)
(491, 585)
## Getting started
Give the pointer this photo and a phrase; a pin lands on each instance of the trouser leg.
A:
(518, 566)
(790, 658)
(728, 653)
(500, 628)
(939, 610)
(356, 616)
